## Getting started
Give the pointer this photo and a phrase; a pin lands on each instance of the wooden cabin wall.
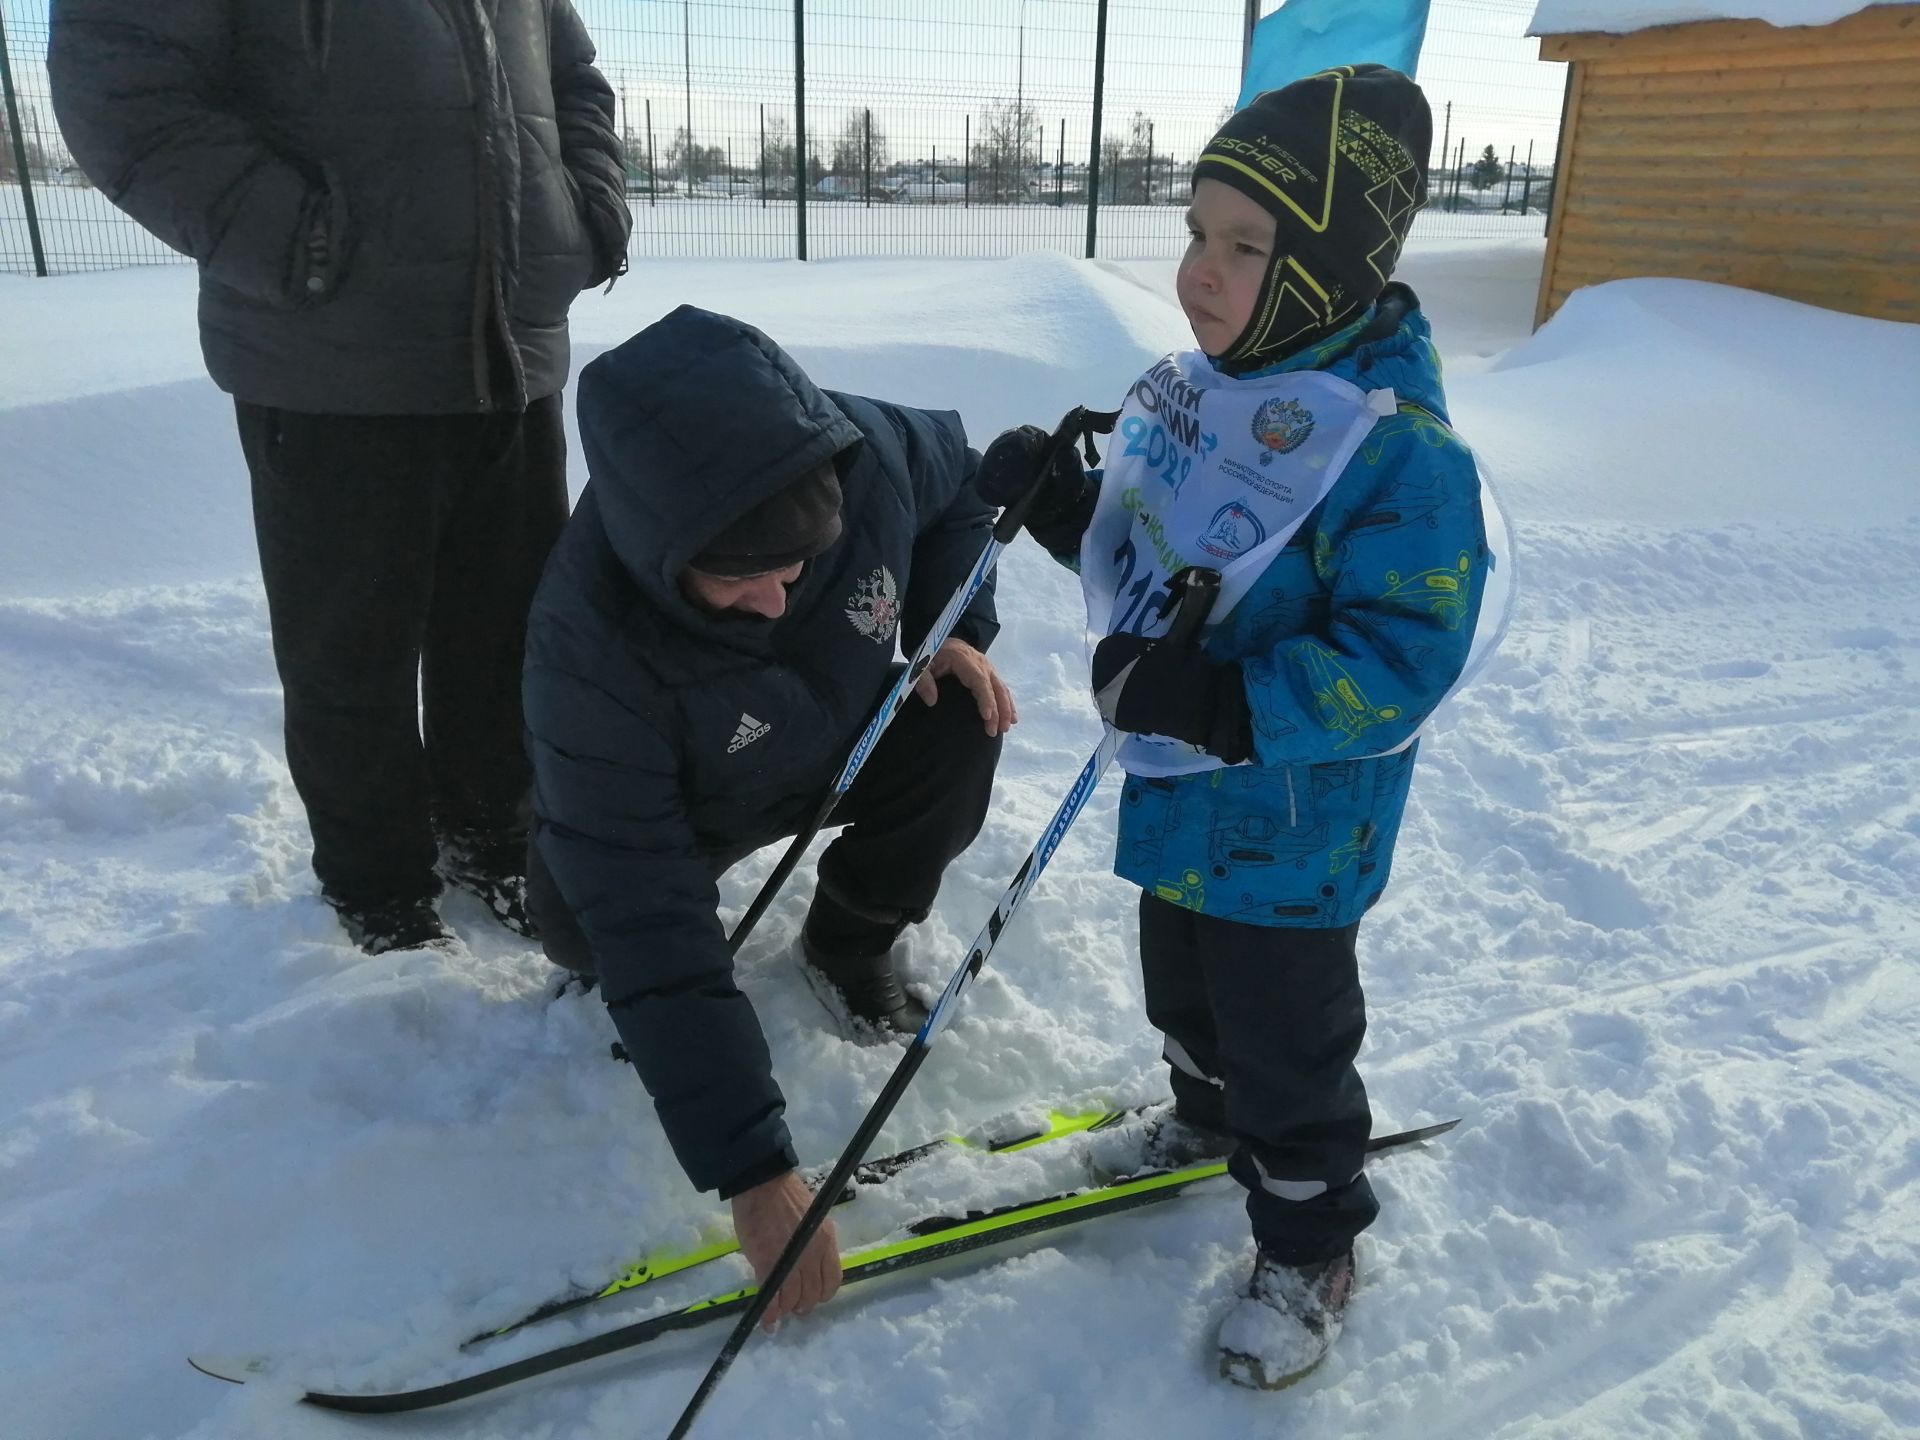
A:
(1784, 160)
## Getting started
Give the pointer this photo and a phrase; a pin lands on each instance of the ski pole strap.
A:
(1077, 425)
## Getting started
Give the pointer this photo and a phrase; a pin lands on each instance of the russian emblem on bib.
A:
(1281, 425)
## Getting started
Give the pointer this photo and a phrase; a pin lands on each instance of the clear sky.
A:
(925, 66)
(922, 66)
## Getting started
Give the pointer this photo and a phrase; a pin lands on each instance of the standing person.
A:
(1305, 451)
(392, 207)
(719, 623)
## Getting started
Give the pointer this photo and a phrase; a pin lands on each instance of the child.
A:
(1306, 454)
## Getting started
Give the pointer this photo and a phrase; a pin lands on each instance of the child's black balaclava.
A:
(1340, 161)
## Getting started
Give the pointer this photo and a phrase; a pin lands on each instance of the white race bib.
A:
(1206, 469)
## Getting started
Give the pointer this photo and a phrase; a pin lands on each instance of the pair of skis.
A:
(925, 1242)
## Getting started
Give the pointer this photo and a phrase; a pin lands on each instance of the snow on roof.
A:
(1621, 17)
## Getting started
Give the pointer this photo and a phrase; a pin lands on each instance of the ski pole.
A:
(1075, 423)
(1193, 591)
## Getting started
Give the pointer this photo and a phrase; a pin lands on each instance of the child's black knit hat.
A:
(1340, 160)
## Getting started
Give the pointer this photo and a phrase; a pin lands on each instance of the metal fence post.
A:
(868, 165)
(22, 169)
(966, 175)
(1099, 100)
(763, 156)
(1060, 168)
(653, 171)
(800, 125)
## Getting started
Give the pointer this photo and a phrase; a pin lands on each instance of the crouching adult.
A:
(716, 626)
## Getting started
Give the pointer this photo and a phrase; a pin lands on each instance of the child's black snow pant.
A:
(1262, 1023)
(400, 554)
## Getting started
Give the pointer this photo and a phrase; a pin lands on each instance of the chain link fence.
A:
(823, 128)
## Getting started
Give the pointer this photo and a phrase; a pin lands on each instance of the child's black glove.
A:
(1064, 504)
(1146, 687)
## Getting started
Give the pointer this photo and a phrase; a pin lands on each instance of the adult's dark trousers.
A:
(1262, 1024)
(400, 554)
(916, 805)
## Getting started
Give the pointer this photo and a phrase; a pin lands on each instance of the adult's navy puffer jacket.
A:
(635, 698)
(393, 202)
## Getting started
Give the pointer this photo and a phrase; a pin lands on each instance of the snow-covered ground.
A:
(1651, 935)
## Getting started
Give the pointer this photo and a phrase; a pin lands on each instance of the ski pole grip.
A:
(1194, 591)
(1069, 430)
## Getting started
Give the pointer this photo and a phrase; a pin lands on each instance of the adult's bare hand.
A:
(764, 1218)
(976, 672)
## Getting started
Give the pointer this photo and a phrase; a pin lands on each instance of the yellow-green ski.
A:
(939, 1239)
(1060, 1125)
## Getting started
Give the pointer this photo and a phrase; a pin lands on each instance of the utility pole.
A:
(1019, 95)
(686, 40)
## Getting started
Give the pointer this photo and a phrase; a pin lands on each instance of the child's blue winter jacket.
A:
(1347, 642)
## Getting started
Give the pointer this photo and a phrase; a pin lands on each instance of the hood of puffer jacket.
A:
(686, 427)
(1391, 345)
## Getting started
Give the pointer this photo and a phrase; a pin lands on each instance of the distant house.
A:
(925, 192)
(1783, 159)
(855, 187)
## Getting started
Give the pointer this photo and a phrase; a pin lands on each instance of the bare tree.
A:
(776, 157)
(1001, 157)
(39, 163)
(850, 153)
(693, 162)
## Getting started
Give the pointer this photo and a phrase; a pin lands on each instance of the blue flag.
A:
(1304, 37)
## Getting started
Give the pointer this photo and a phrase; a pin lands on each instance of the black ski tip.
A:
(234, 1369)
(1411, 1137)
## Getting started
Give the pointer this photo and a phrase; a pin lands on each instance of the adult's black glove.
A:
(1147, 687)
(1064, 503)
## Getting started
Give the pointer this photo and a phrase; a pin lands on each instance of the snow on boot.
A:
(382, 925)
(868, 984)
(1158, 1138)
(1285, 1321)
(493, 869)
(505, 897)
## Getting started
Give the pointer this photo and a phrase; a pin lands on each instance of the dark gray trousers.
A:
(400, 555)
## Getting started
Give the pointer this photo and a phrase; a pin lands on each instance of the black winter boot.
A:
(1158, 1138)
(493, 871)
(378, 926)
(1285, 1321)
(855, 954)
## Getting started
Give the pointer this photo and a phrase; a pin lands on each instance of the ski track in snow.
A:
(1650, 933)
